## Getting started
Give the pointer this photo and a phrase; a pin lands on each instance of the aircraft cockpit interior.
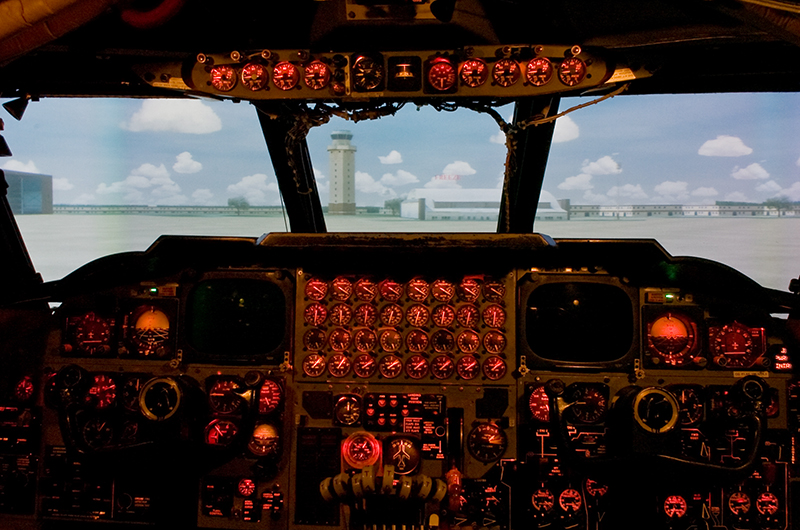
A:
(321, 380)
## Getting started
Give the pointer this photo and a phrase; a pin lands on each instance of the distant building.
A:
(342, 159)
(29, 193)
(458, 204)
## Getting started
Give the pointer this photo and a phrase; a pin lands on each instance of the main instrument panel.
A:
(414, 381)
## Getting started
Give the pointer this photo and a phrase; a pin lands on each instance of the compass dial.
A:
(255, 76)
(474, 72)
(735, 345)
(92, 334)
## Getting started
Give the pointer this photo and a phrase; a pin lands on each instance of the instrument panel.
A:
(500, 381)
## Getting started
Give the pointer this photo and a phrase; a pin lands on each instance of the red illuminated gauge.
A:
(543, 500)
(588, 404)
(365, 366)
(417, 341)
(443, 341)
(222, 396)
(442, 367)
(361, 449)
(505, 72)
(690, 402)
(739, 503)
(417, 289)
(494, 342)
(315, 314)
(417, 315)
(255, 76)
(130, 393)
(93, 334)
(416, 367)
(265, 440)
(269, 397)
(442, 290)
(366, 315)
(341, 314)
(539, 404)
(314, 365)
(468, 341)
(317, 75)
(285, 75)
(474, 72)
(494, 368)
(316, 289)
(339, 365)
(347, 410)
(736, 346)
(404, 455)
(675, 506)
(366, 290)
(390, 366)
(494, 316)
(391, 314)
(443, 315)
(103, 392)
(390, 290)
(539, 71)
(572, 71)
(23, 390)
(315, 339)
(487, 442)
(246, 487)
(365, 340)
(672, 338)
(595, 489)
(468, 367)
(767, 503)
(494, 291)
(98, 433)
(469, 290)
(367, 73)
(570, 500)
(390, 340)
(220, 433)
(468, 316)
(339, 339)
(442, 75)
(341, 288)
(223, 78)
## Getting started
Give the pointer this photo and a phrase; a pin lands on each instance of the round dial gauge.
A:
(390, 290)
(366, 290)
(474, 72)
(390, 366)
(417, 341)
(673, 339)
(339, 339)
(391, 314)
(160, 398)
(103, 392)
(366, 315)
(539, 404)
(469, 290)
(315, 314)
(255, 76)
(468, 316)
(361, 449)
(494, 291)
(416, 367)
(505, 72)
(588, 404)
(656, 410)
(317, 75)
(24, 389)
(339, 365)
(494, 368)
(269, 397)
(265, 440)
(285, 75)
(468, 341)
(220, 433)
(675, 506)
(539, 71)
(130, 432)
(223, 78)
(739, 503)
(365, 366)
(734, 346)
(543, 500)
(130, 393)
(391, 340)
(341, 288)
(93, 334)
(222, 396)
(341, 314)
(316, 289)
(403, 455)
(767, 503)
(690, 402)
(468, 367)
(595, 489)
(443, 315)
(494, 342)
(315, 339)
(442, 290)
(314, 365)
(443, 341)
(442, 367)
(494, 316)
(367, 73)
(442, 75)
(570, 500)
(246, 487)
(487, 442)
(347, 410)
(365, 340)
(417, 289)
(572, 71)
(417, 315)
(98, 433)
(150, 331)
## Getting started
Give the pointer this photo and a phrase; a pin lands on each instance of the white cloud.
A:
(184, 163)
(443, 181)
(151, 171)
(724, 145)
(704, 192)
(628, 191)
(62, 184)
(602, 166)
(596, 198)
(16, 165)
(459, 167)
(156, 179)
(394, 157)
(736, 196)
(792, 192)
(566, 130)
(366, 184)
(319, 175)
(202, 196)
(769, 187)
(189, 116)
(672, 189)
(84, 198)
(499, 138)
(798, 161)
(400, 178)
(578, 182)
(752, 172)
(255, 189)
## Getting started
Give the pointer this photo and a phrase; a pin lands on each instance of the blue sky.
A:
(627, 150)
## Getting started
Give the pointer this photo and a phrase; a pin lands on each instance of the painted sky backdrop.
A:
(689, 149)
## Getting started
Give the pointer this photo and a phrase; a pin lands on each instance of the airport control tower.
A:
(343, 174)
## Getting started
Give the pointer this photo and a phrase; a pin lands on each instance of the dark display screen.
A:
(579, 322)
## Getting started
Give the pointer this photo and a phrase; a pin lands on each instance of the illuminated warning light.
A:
(783, 366)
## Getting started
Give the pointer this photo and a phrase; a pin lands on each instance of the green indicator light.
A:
(670, 296)
(154, 290)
